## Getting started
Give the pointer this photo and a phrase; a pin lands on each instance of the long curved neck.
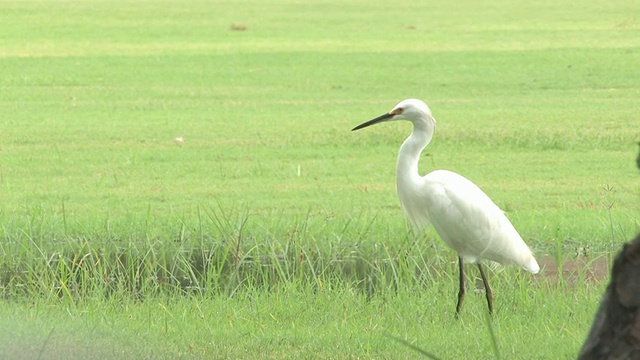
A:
(409, 154)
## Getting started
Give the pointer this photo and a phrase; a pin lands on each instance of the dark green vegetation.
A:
(273, 231)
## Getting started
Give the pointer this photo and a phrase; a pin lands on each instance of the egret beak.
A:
(380, 118)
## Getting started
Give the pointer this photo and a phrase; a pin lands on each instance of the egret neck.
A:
(409, 155)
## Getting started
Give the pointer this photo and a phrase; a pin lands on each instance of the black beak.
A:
(380, 118)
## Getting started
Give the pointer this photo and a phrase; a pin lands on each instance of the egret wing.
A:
(469, 222)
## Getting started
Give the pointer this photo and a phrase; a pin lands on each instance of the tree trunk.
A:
(615, 333)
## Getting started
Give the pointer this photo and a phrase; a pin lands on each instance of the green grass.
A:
(278, 299)
(273, 231)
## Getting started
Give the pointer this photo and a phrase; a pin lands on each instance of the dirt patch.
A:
(574, 269)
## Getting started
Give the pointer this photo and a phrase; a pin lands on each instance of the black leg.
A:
(487, 289)
(462, 286)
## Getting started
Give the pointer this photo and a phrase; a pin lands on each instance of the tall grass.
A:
(287, 275)
(38, 263)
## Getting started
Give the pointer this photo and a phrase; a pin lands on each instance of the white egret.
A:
(462, 214)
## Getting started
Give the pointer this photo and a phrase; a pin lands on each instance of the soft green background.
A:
(537, 103)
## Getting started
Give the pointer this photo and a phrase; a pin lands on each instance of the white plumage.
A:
(463, 215)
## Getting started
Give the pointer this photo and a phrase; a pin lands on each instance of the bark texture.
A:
(615, 333)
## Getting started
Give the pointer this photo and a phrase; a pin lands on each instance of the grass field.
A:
(270, 230)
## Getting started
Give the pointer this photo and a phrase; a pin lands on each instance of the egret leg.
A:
(462, 286)
(487, 289)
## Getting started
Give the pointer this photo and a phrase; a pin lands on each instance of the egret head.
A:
(413, 110)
